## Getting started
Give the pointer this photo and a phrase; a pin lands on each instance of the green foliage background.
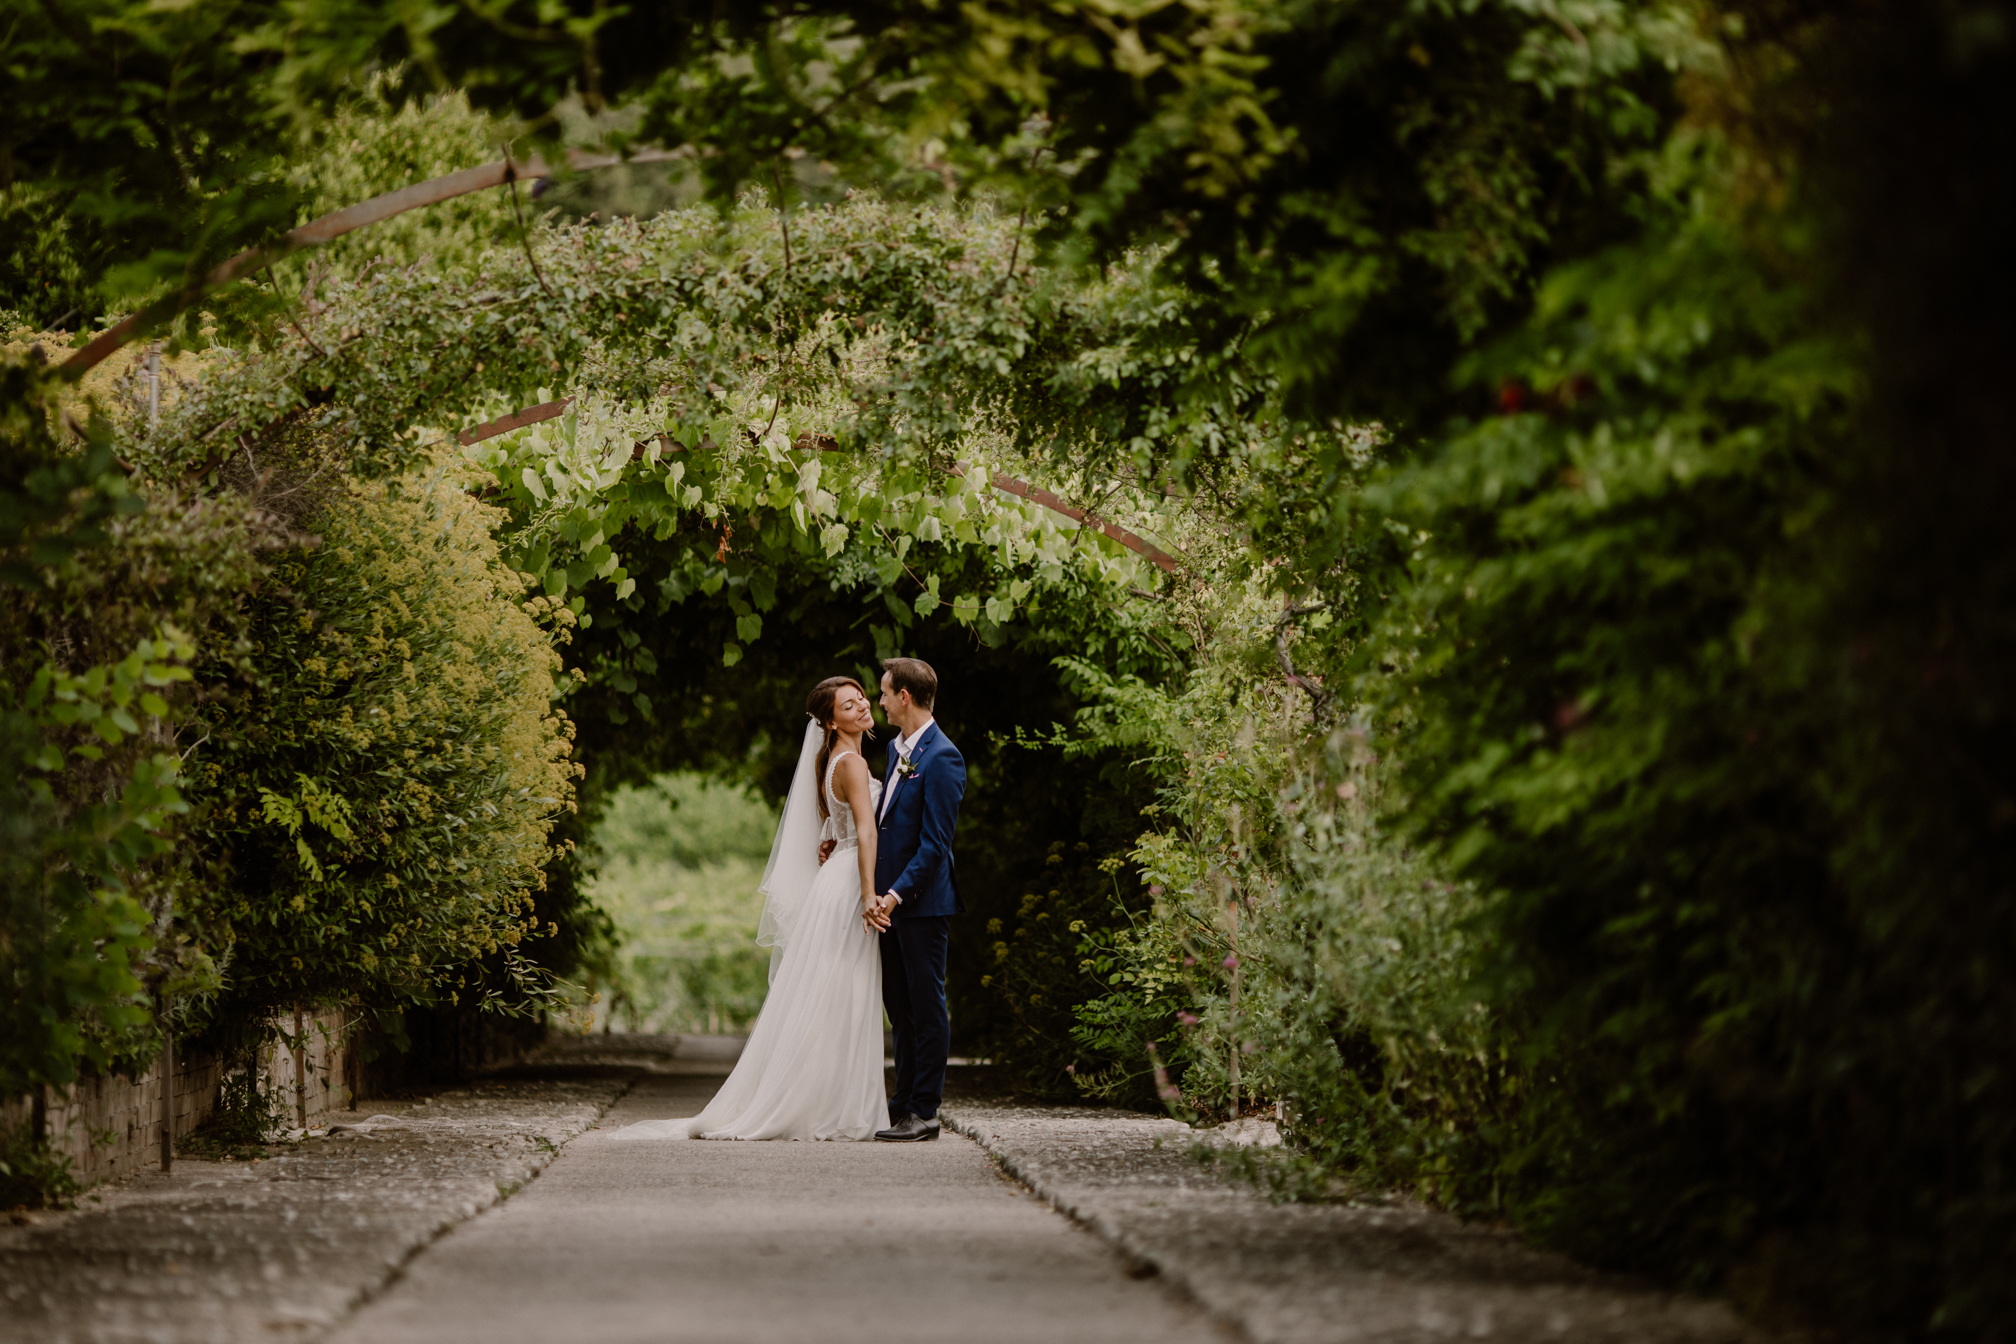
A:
(1593, 769)
(679, 860)
(374, 793)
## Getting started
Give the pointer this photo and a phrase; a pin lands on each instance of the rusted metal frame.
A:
(1037, 494)
(334, 225)
(504, 424)
(469, 180)
(805, 443)
(552, 410)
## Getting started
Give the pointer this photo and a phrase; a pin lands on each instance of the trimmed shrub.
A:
(375, 808)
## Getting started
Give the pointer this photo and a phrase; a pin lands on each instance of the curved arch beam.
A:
(504, 424)
(432, 192)
(334, 225)
(1036, 494)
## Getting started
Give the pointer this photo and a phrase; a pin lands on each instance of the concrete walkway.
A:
(722, 1242)
(283, 1248)
(502, 1211)
(1385, 1271)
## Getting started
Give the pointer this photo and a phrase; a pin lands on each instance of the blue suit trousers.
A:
(913, 991)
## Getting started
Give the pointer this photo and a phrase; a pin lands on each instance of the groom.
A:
(916, 900)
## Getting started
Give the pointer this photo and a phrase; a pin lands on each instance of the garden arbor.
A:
(737, 453)
(860, 389)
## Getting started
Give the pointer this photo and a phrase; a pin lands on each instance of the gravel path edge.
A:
(1142, 1259)
(1389, 1271)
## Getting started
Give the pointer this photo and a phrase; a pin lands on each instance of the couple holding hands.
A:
(858, 904)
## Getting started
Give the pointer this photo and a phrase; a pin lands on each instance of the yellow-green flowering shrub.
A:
(376, 805)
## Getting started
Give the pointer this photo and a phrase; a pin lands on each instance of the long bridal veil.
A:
(812, 1066)
(794, 854)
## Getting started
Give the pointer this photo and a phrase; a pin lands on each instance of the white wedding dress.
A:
(812, 1068)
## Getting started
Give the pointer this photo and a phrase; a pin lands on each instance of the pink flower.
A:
(1188, 1019)
(1232, 962)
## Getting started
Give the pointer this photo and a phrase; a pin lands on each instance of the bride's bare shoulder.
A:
(849, 773)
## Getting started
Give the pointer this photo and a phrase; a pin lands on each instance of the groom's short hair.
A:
(915, 676)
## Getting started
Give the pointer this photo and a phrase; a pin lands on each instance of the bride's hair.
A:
(819, 705)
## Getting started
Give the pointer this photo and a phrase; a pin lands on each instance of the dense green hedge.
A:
(106, 593)
(1680, 638)
(1673, 603)
(373, 797)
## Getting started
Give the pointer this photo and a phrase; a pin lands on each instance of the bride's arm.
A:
(851, 782)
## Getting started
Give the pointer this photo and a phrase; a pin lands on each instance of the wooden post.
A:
(353, 1033)
(1232, 1010)
(167, 1090)
(300, 1073)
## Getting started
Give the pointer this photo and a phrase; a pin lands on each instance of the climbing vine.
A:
(867, 391)
(890, 404)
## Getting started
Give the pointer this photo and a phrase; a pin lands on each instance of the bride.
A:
(812, 1068)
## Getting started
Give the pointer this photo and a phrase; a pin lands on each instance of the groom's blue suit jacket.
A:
(913, 849)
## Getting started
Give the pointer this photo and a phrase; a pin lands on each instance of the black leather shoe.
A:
(910, 1129)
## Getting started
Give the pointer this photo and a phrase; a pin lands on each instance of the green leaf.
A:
(307, 858)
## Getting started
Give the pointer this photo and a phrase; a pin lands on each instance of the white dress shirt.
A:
(904, 746)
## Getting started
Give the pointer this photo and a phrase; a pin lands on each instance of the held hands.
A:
(875, 913)
(826, 851)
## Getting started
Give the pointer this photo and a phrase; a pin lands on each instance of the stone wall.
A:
(110, 1125)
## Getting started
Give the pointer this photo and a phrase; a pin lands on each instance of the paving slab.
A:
(1390, 1272)
(755, 1243)
(424, 1225)
(283, 1248)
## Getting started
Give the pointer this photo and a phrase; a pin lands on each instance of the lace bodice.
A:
(840, 817)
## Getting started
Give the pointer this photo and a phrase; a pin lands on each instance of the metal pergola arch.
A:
(502, 173)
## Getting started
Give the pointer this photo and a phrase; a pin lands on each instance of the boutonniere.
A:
(905, 767)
